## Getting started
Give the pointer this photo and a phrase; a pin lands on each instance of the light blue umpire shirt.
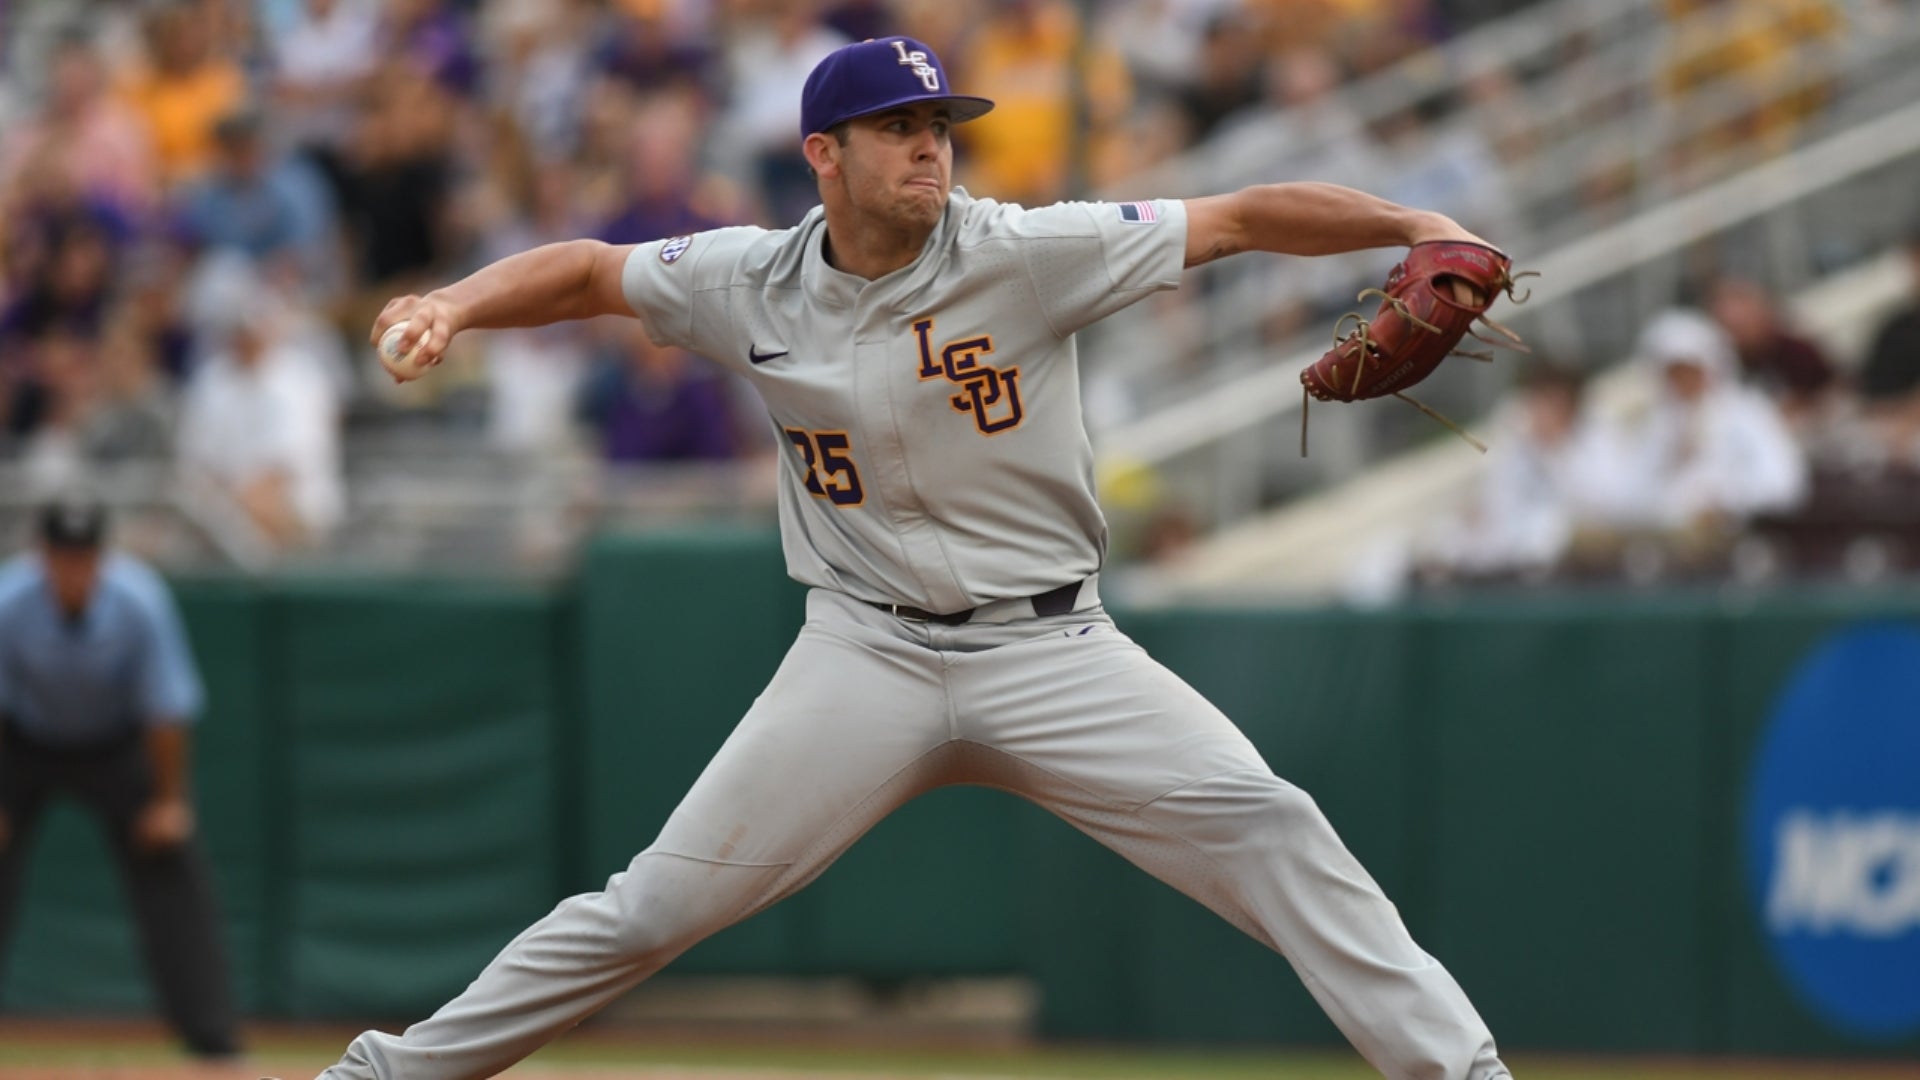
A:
(123, 665)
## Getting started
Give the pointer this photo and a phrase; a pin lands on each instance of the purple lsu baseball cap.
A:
(876, 75)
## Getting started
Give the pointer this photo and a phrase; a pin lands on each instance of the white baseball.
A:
(405, 368)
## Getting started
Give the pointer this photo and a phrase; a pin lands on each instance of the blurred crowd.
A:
(1732, 446)
(203, 203)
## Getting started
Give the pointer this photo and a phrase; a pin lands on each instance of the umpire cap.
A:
(73, 522)
(874, 76)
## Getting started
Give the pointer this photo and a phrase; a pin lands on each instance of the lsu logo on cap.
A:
(674, 248)
(1832, 832)
(917, 60)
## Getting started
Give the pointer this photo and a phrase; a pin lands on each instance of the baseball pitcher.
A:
(915, 347)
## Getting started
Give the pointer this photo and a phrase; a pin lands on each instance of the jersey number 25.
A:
(830, 472)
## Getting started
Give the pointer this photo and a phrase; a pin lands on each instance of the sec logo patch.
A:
(675, 248)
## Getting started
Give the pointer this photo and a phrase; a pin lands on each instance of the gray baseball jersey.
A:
(938, 456)
(938, 460)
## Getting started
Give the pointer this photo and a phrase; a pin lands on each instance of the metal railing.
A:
(439, 508)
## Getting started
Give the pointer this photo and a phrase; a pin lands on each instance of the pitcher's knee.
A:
(664, 904)
(1252, 808)
(1264, 797)
(1289, 805)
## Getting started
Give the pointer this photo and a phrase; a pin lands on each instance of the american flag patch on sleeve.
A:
(1141, 213)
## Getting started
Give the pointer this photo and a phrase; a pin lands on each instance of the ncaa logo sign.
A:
(1833, 832)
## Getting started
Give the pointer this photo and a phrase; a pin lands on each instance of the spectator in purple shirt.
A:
(435, 38)
(859, 20)
(69, 290)
(660, 174)
(645, 51)
(58, 257)
(650, 403)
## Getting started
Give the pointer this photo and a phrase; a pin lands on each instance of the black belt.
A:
(16, 736)
(1052, 602)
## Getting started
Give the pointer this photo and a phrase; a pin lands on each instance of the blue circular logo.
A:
(1833, 832)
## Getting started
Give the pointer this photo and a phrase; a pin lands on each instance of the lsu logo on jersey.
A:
(990, 394)
(917, 60)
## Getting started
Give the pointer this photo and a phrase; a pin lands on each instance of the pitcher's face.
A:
(897, 166)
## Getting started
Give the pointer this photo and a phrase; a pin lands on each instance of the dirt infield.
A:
(115, 1050)
(185, 1070)
(1591, 1071)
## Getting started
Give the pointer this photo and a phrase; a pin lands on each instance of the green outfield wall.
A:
(397, 775)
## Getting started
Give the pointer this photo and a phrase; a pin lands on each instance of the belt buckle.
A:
(908, 613)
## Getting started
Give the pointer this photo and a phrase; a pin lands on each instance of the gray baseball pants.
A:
(869, 710)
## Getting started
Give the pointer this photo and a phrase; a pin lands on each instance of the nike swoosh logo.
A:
(756, 356)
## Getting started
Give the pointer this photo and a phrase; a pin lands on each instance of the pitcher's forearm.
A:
(548, 284)
(1306, 218)
(1324, 219)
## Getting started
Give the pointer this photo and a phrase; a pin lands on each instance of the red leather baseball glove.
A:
(1432, 299)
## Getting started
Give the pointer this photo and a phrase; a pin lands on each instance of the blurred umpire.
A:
(98, 692)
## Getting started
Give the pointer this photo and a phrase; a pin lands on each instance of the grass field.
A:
(31, 1051)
